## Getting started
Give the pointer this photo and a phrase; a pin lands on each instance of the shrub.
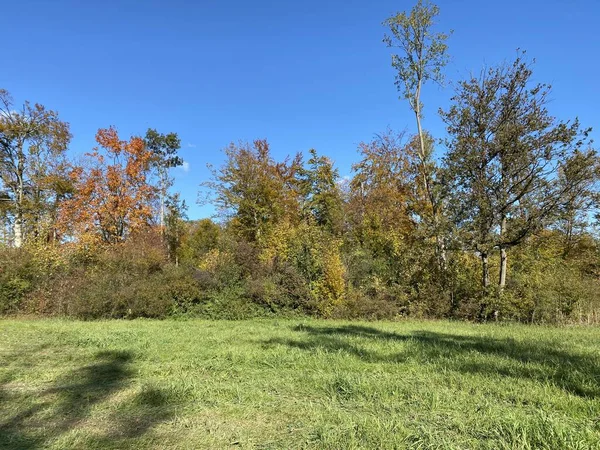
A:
(16, 278)
(229, 303)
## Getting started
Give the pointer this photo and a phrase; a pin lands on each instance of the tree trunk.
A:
(18, 230)
(569, 232)
(485, 280)
(441, 248)
(503, 268)
(503, 257)
(18, 225)
(422, 152)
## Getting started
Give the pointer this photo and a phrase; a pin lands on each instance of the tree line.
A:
(494, 220)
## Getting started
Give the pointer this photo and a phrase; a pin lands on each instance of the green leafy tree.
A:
(174, 225)
(505, 150)
(579, 178)
(199, 238)
(32, 141)
(164, 149)
(321, 192)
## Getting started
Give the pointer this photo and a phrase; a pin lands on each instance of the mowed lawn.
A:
(297, 384)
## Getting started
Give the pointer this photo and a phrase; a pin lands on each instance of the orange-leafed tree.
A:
(113, 196)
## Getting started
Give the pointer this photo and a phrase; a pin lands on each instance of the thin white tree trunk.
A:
(18, 231)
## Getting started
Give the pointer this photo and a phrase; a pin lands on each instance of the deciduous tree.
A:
(422, 56)
(113, 195)
(505, 151)
(322, 198)
(164, 149)
(32, 141)
(380, 191)
(579, 178)
(254, 190)
(174, 225)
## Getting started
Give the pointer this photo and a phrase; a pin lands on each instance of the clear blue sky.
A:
(301, 74)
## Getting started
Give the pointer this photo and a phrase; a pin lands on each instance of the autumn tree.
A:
(113, 195)
(164, 149)
(505, 150)
(380, 191)
(422, 56)
(255, 191)
(32, 142)
(381, 228)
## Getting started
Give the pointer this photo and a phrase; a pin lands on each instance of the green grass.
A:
(297, 384)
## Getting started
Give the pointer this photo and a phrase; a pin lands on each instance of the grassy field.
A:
(297, 384)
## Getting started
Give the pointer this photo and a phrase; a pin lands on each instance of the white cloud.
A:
(191, 145)
(185, 166)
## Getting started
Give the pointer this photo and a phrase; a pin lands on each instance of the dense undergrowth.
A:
(219, 277)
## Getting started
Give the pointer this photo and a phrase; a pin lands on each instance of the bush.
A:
(359, 305)
(101, 294)
(316, 255)
(229, 303)
(16, 278)
(128, 280)
(299, 269)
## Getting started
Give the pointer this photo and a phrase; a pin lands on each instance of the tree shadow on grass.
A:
(540, 361)
(37, 418)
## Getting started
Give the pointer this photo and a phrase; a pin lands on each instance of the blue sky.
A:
(309, 74)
